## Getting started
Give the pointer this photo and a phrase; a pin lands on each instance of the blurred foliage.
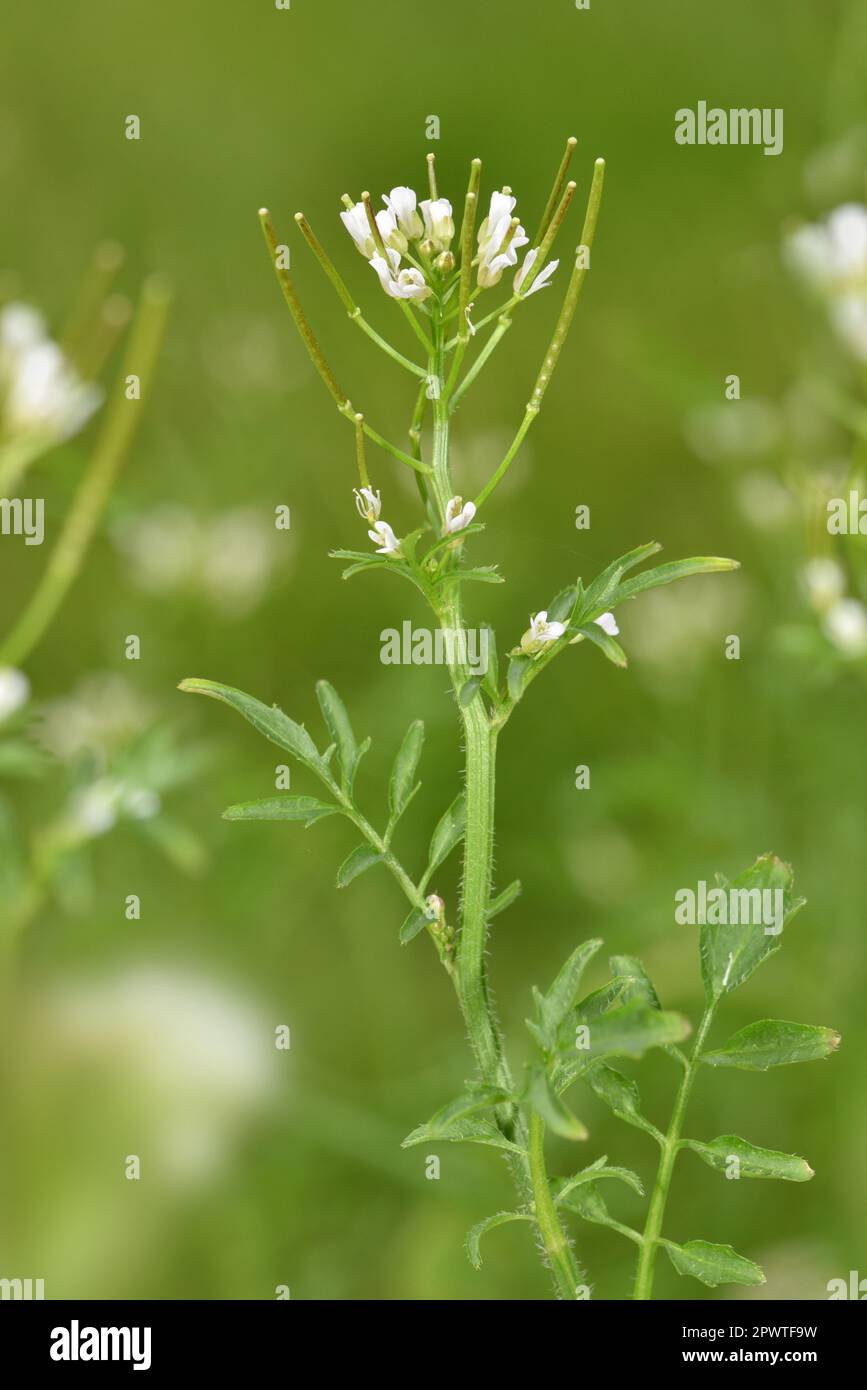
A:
(698, 763)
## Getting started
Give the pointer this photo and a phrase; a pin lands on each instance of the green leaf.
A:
(361, 858)
(601, 591)
(477, 1096)
(712, 1264)
(474, 1235)
(450, 539)
(504, 899)
(587, 1202)
(675, 569)
(607, 997)
(298, 808)
(518, 668)
(773, 1043)
(751, 1161)
(492, 675)
(561, 606)
(625, 1031)
(642, 987)
(269, 720)
(340, 728)
(470, 689)
(483, 574)
(413, 925)
(542, 1098)
(619, 1093)
(611, 648)
(563, 1188)
(464, 1132)
(556, 1003)
(730, 954)
(404, 769)
(448, 833)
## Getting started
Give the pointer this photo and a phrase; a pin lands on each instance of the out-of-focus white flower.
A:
(94, 810)
(845, 625)
(41, 394)
(388, 543)
(824, 582)
(458, 514)
(539, 632)
(402, 203)
(400, 284)
(14, 691)
(764, 500)
(497, 248)
(742, 429)
(227, 558)
(368, 502)
(608, 623)
(103, 713)
(540, 281)
(198, 1057)
(832, 256)
(439, 226)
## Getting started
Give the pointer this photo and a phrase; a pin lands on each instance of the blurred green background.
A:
(155, 1037)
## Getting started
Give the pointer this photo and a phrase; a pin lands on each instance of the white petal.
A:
(608, 623)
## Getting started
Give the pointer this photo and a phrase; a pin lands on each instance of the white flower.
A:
(493, 258)
(439, 226)
(824, 582)
(434, 907)
(845, 624)
(399, 284)
(539, 632)
(14, 691)
(458, 514)
(402, 203)
(540, 281)
(832, 256)
(388, 543)
(40, 390)
(368, 502)
(356, 222)
(608, 623)
(834, 251)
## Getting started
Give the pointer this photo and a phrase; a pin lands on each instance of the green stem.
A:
(118, 430)
(564, 1267)
(670, 1147)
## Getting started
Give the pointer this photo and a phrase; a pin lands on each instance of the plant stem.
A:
(117, 434)
(670, 1147)
(564, 1266)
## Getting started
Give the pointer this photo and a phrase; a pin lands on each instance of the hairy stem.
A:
(670, 1147)
(558, 1251)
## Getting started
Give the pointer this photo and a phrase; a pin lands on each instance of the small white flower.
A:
(824, 582)
(439, 225)
(356, 223)
(41, 392)
(540, 281)
(832, 256)
(434, 907)
(402, 203)
(845, 624)
(14, 691)
(608, 623)
(388, 543)
(539, 632)
(368, 502)
(458, 514)
(400, 284)
(493, 259)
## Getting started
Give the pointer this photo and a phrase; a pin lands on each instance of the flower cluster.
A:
(423, 232)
